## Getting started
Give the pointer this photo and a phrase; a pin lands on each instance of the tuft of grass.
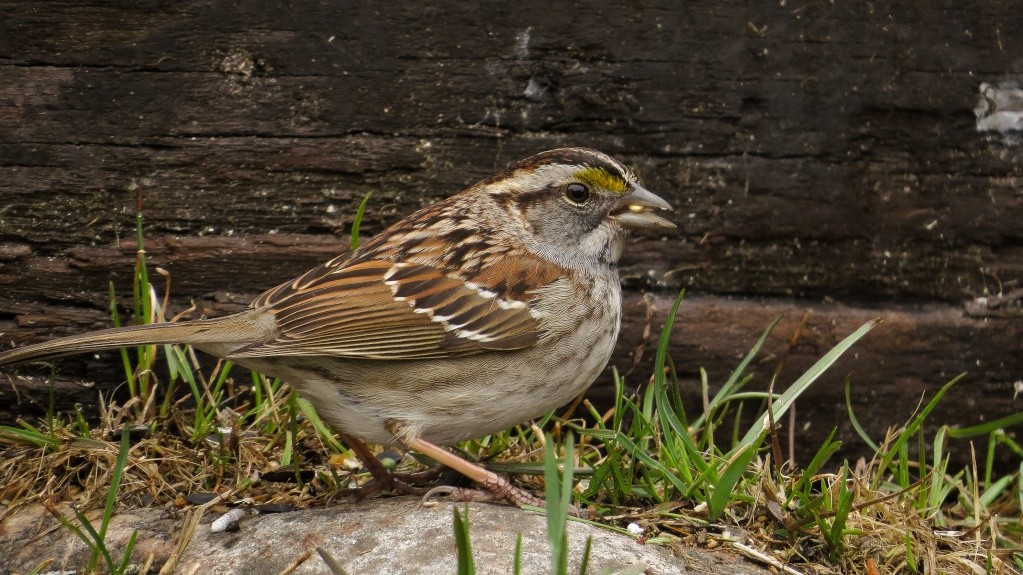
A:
(672, 459)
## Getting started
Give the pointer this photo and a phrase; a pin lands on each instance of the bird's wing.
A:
(380, 309)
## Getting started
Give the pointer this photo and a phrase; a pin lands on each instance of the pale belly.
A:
(450, 400)
(444, 401)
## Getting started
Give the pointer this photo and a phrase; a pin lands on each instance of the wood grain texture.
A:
(821, 157)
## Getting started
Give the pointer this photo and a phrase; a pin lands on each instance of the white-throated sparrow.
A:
(467, 317)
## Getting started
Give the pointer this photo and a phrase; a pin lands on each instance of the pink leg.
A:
(495, 487)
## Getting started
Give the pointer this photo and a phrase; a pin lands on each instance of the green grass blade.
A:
(326, 435)
(357, 221)
(143, 304)
(900, 444)
(517, 560)
(689, 457)
(996, 489)
(30, 436)
(584, 565)
(126, 558)
(95, 542)
(842, 509)
(733, 472)
(856, 422)
(115, 481)
(558, 489)
(735, 379)
(641, 455)
(938, 487)
(142, 301)
(987, 427)
(463, 544)
(660, 358)
(828, 448)
(71, 527)
(786, 399)
(115, 318)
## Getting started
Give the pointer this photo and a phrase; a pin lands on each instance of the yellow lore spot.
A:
(600, 178)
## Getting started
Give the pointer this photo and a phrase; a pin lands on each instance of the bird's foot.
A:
(506, 493)
(514, 496)
(388, 481)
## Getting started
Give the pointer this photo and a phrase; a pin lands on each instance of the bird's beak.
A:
(636, 210)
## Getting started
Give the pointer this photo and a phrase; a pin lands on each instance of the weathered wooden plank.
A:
(820, 156)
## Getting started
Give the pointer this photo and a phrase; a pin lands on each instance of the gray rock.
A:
(397, 535)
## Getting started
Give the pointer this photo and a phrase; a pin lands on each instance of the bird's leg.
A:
(383, 478)
(495, 487)
(381, 472)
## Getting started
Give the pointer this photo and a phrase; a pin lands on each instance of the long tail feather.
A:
(219, 336)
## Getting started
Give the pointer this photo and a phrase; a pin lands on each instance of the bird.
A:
(472, 315)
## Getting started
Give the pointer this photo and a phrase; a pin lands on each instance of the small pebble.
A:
(228, 521)
(390, 458)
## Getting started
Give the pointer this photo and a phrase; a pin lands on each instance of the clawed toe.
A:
(503, 494)
(452, 493)
(518, 498)
(463, 494)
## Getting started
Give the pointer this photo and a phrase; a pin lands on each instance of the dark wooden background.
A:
(822, 158)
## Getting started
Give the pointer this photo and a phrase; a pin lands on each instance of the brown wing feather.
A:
(377, 309)
(416, 290)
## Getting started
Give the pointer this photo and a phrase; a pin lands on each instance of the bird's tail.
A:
(219, 336)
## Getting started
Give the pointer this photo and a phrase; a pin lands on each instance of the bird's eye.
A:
(577, 193)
